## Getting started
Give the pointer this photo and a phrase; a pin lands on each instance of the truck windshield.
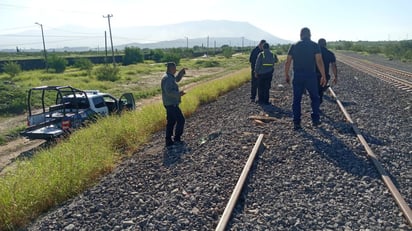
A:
(99, 102)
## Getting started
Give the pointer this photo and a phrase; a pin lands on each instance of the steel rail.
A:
(384, 73)
(406, 210)
(377, 66)
(239, 185)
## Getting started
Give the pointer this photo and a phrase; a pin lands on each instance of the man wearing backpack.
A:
(252, 60)
(265, 66)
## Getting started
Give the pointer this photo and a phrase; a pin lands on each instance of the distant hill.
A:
(206, 33)
(196, 33)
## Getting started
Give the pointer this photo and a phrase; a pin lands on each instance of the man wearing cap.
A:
(306, 56)
(329, 59)
(171, 97)
(252, 59)
(265, 66)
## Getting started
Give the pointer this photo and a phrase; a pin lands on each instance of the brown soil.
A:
(13, 149)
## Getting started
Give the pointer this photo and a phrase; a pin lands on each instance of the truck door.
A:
(126, 102)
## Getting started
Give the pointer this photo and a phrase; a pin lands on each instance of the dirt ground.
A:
(13, 149)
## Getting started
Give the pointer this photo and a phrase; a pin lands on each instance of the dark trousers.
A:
(322, 89)
(264, 84)
(254, 85)
(176, 121)
(302, 81)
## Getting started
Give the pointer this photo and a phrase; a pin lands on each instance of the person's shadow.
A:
(172, 155)
(274, 111)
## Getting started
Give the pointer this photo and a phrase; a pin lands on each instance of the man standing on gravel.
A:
(329, 59)
(265, 66)
(171, 97)
(306, 56)
(252, 59)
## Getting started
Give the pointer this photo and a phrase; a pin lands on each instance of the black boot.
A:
(169, 142)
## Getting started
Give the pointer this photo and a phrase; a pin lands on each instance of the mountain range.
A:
(206, 33)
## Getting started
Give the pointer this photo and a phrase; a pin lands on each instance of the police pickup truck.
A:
(57, 110)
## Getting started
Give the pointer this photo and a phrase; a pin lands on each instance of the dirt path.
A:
(15, 148)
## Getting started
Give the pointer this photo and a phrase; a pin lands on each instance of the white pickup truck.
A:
(56, 110)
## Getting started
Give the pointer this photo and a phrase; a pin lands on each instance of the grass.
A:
(63, 171)
(143, 79)
(11, 134)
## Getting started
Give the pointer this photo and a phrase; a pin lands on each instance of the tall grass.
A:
(63, 171)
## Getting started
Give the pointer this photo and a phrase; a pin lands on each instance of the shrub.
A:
(132, 55)
(171, 57)
(227, 51)
(157, 55)
(12, 99)
(107, 73)
(57, 63)
(12, 68)
(84, 64)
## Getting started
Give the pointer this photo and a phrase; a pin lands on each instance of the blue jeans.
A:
(308, 81)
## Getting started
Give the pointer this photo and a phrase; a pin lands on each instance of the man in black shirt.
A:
(252, 59)
(329, 59)
(305, 55)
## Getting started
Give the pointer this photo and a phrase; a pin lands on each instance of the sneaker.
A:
(316, 123)
(297, 127)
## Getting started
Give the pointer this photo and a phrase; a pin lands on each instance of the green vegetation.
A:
(142, 79)
(57, 63)
(107, 73)
(84, 64)
(12, 99)
(11, 134)
(56, 174)
(400, 50)
(11, 68)
(132, 55)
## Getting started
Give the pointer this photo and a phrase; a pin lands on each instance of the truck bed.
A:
(49, 132)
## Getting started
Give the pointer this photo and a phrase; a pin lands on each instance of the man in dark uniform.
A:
(252, 59)
(265, 66)
(306, 56)
(329, 59)
(171, 97)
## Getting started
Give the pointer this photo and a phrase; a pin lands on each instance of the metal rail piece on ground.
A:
(239, 185)
(406, 210)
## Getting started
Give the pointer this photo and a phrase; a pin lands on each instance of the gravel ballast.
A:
(315, 179)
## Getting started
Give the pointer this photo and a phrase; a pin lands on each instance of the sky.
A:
(350, 20)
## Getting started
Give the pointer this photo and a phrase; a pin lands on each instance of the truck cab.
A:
(55, 109)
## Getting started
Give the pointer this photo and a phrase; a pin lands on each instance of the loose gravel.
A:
(314, 179)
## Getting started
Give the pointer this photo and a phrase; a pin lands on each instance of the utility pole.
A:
(111, 39)
(105, 47)
(243, 41)
(44, 46)
(207, 49)
(187, 43)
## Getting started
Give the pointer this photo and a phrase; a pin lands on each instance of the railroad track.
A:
(314, 179)
(400, 201)
(399, 78)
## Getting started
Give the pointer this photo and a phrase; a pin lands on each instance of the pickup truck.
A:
(56, 110)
